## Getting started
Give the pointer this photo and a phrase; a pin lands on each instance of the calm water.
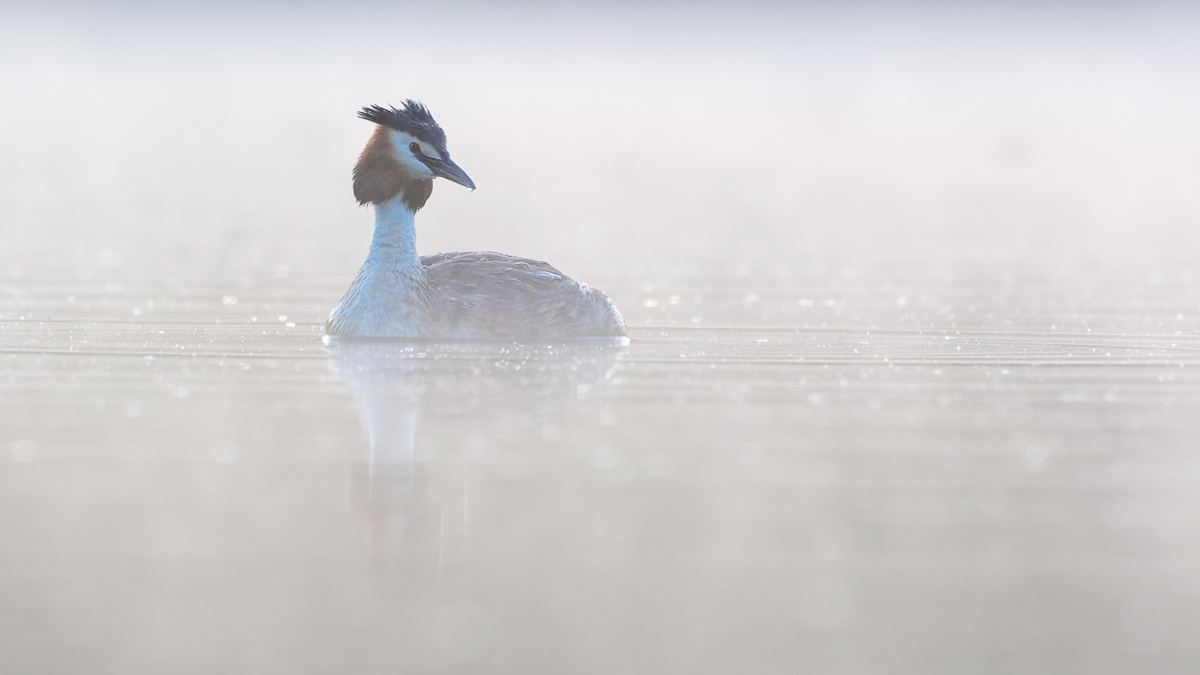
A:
(918, 394)
(857, 486)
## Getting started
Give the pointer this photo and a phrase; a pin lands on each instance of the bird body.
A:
(449, 296)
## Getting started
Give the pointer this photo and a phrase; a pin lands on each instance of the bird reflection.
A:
(460, 394)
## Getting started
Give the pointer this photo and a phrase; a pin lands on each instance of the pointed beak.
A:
(446, 168)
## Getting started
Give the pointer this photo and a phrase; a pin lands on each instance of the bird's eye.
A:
(414, 148)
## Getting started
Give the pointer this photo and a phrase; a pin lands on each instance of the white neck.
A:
(395, 234)
(386, 296)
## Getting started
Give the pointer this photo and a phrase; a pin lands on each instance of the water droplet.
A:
(1035, 457)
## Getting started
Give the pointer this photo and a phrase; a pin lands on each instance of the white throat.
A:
(395, 235)
(388, 295)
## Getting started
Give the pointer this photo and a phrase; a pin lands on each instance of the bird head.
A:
(406, 152)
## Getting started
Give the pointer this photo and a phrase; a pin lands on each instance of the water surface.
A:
(913, 298)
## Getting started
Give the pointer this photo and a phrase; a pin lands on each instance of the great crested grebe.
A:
(448, 296)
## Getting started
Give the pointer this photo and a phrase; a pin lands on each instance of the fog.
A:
(912, 294)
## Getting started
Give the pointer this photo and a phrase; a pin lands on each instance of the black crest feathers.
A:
(411, 117)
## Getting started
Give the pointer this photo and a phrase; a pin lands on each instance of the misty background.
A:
(182, 138)
(911, 288)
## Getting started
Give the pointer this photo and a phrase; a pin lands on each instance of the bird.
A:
(462, 296)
